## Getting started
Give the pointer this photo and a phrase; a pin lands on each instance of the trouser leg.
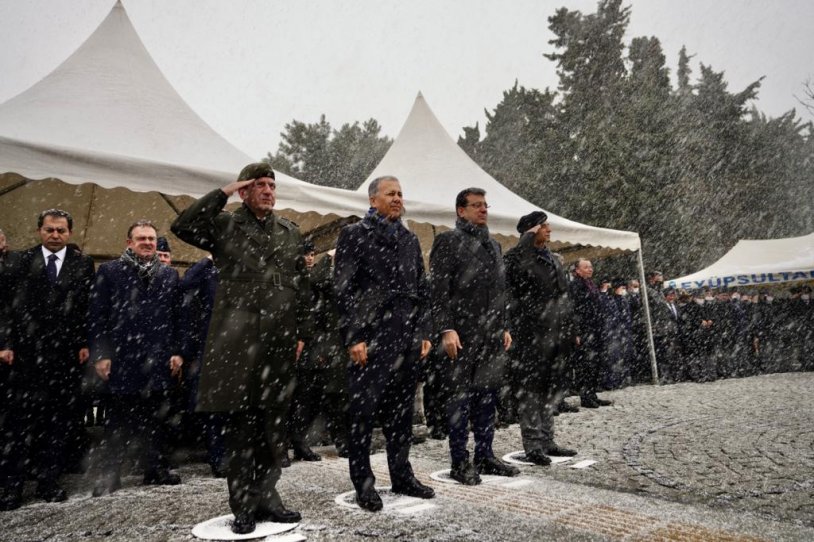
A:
(536, 421)
(483, 422)
(396, 414)
(458, 423)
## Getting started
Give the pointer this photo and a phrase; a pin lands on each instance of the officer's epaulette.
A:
(287, 224)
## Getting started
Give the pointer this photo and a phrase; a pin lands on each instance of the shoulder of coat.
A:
(286, 223)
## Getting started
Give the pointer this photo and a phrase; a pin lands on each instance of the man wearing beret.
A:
(469, 312)
(541, 320)
(260, 319)
(162, 249)
(383, 300)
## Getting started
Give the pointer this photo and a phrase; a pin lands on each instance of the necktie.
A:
(673, 309)
(51, 268)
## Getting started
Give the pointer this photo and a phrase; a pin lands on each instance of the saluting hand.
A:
(231, 188)
(175, 366)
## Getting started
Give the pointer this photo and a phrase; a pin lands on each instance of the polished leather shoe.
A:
(161, 478)
(588, 402)
(464, 473)
(107, 484)
(538, 458)
(304, 453)
(602, 402)
(555, 449)
(413, 488)
(51, 492)
(492, 465)
(11, 499)
(281, 515)
(566, 407)
(243, 524)
(369, 500)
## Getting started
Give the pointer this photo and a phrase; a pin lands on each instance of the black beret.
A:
(255, 171)
(308, 247)
(530, 220)
(618, 283)
(162, 245)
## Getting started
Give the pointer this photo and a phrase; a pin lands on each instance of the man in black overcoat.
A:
(469, 313)
(135, 334)
(541, 320)
(43, 343)
(589, 322)
(382, 295)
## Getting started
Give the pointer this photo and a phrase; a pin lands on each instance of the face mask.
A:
(623, 293)
(699, 301)
(805, 297)
(710, 298)
(735, 297)
(634, 290)
(769, 299)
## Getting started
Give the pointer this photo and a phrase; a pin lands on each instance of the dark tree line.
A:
(691, 167)
(322, 155)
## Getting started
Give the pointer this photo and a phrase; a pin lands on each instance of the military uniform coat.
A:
(540, 314)
(262, 304)
(468, 286)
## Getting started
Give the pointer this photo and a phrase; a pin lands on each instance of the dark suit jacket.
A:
(45, 323)
(135, 325)
(541, 315)
(468, 285)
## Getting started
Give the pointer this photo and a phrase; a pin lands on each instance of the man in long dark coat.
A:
(382, 295)
(134, 329)
(589, 322)
(541, 319)
(260, 320)
(469, 313)
(43, 345)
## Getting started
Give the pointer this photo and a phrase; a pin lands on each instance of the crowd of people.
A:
(257, 340)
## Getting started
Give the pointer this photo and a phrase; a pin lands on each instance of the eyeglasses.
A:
(478, 205)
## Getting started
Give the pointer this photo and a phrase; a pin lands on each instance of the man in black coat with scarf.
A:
(135, 336)
(540, 317)
(43, 346)
(383, 301)
(469, 312)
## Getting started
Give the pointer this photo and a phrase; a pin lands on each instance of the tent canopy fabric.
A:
(756, 263)
(433, 168)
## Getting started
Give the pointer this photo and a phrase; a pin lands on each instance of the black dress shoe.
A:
(107, 484)
(492, 465)
(438, 433)
(161, 477)
(285, 462)
(51, 492)
(342, 450)
(554, 449)
(11, 498)
(603, 402)
(464, 473)
(538, 458)
(566, 407)
(588, 402)
(369, 500)
(413, 488)
(304, 453)
(281, 515)
(243, 524)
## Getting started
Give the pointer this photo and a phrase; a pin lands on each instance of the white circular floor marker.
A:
(443, 476)
(220, 528)
(391, 501)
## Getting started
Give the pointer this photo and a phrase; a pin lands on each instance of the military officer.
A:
(260, 319)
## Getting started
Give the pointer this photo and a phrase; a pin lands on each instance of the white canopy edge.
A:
(756, 262)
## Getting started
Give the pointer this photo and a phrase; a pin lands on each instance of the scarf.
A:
(391, 230)
(481, 233)
(146, 270)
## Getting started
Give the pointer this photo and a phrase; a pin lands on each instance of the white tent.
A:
(108, 116)
(432, 167)
(756, 263)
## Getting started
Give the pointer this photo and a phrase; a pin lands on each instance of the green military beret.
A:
(255, 171)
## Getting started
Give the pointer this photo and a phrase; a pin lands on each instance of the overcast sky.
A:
(249, 66)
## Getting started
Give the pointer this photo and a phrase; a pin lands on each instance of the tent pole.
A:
(651, 346)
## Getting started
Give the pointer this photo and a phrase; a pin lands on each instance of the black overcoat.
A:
(468, 285)
(540, 314)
